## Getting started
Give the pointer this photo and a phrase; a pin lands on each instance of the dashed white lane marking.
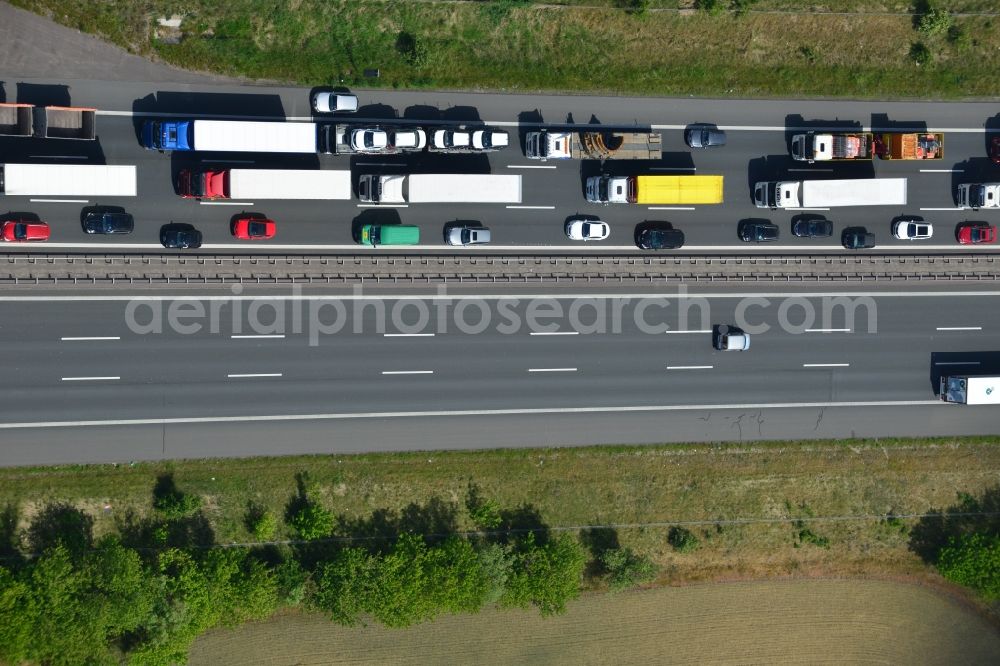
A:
(91, 338)
(554, 333)
(958, 363)
(531, 207)
(828, 330)
(276, 336)
(959, 328)
(551, 369)
(59, 200)
(704, 330)
(89, 379)
(407, 372)
(690, 367)
(826, 365)
(531, 166)
(253, 375)
(245, 204)
(408, 335)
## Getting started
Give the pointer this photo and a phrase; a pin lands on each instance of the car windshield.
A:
(256, 229)
(706, 136)
(20, 231)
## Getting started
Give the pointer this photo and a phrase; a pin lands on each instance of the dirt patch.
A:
(786, 622)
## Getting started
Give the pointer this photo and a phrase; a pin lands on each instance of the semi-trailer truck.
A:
(969, 390)
(560, 145)
(15, 119)
(264, 184)
(979, 195)
(440, 188)
(833, 147)
(87, 180)
(655, 190)
(830, 193)
(909, 146)
(246, 136)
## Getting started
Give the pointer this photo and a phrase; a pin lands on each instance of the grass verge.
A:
(517, 46)
(751, 511)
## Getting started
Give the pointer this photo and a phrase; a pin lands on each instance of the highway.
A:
(759, 133)
(113, 377)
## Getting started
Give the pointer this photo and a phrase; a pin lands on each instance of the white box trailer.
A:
(254, 136)
(968, 390)
(831, 193)
(289, 184)
(441, 188)
(80, 180)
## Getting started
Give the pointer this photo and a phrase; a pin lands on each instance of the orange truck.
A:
(909, 146)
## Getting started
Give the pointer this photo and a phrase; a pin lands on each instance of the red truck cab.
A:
(203, 184)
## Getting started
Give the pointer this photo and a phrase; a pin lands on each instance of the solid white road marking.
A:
(468, 412)
(959, 328)
(89, 379)
(407, 372)
(551, 369)
(88, 338)
(275, 336)
(59, 200)
(554, 333)
(826, 365)
(254, 375)
(690, 367)
(408, 335)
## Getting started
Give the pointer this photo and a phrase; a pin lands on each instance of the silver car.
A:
(331, 102)
(467, 235)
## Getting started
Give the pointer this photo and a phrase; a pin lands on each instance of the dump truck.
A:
(909, 146)
(830, 193)
(64, 122)
(15, 119)
(264, 184)
(969, 390)
(557, 145)
(440, 188)
(84, 180)
(245, 136)
(655, 190)
(833, 147)
(979, 195)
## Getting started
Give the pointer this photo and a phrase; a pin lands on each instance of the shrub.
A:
(626, 569)
(806, 535)
(919, 53)
(682, 539)
(935, 21)
(973, 560)
(175, 505)
(712, 7)
(264, 525)
(311, 521)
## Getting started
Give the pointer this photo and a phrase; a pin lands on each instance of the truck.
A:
(467, 140)
(264, 184)
(35, 180)
(830, 193)
(970, 390)
(655, 190)
(346, 139)
(833, 147)
(909, 146)
(15, 119)
(558, 145)
(979, 195)
(245, 136)
(440, 188)
(64, 122)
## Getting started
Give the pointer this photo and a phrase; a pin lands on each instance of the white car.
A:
(490, 139)
(409, 139)
(467, 235)
(369, 140)
(730, 338)
(452, 139)
(912, 230)
(587, 230)
(331, 102)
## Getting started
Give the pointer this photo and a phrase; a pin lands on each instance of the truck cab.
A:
(381, 189)
(202, 184)
(776, 194)
(545, 145)
(979, 195)
(164, 135)
(608, 189)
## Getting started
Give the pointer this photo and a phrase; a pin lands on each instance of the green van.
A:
(389, 234)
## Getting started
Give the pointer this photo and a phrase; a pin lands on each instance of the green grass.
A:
(516, 46)
(705, 487)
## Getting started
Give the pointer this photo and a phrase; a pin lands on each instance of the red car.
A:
(22, 231)
(975, 233)
(995, 149)
(253, 228)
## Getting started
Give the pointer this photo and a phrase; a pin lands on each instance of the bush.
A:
(413, 50)
(626, 569)
(806, 535)
(635, 7)
(919, 53)
(682, 539)
(311, 521)
(935, 21)
(973, 560)
(263, 526)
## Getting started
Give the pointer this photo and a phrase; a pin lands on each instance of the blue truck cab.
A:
(167, 135)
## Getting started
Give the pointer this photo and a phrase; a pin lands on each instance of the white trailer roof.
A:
(464, 188)
(69, 180)
(289, 184)
(254, 137)
(854, 192)
(983, 391)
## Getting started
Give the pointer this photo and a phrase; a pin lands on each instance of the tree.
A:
(626, 569)
(17, 618)
(545, 576)
(311, 521)
(973, 560)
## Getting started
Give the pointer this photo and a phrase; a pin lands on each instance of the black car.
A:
(658, 237)
(180, 236)
(704, 136)
(857, 238)
(814, 228)
(758, 231)
(108, 222)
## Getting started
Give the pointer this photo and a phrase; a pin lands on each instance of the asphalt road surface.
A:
(112, 378)
(759, 134)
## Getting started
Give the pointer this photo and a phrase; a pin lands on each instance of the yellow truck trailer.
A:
(655, 190)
